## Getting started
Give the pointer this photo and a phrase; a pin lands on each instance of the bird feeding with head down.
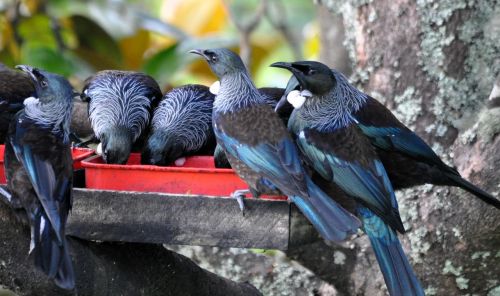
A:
(120, 107)
(181, 126)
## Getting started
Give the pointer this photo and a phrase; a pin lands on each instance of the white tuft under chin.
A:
(31, 100)
(296, 99)
(215, 87)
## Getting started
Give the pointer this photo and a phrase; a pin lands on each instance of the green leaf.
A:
(95, 45)
(164, 64)
(48, 59)
(36, 31)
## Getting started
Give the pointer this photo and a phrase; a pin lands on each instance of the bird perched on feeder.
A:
(272, 96)
(181, 126)
(336, 148)
(15, 86)
(120, 107)
(39, 171)
(260, 149)
(409, 161)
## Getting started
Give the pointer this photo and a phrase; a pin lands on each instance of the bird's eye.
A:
(43, 83)
(213, 59)
(311, 72)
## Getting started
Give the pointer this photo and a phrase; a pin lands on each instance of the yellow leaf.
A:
(32, 5)
(7, 40)
(133, 48)
(311, 41)
(195, 17)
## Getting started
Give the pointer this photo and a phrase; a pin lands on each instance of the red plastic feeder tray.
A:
(79, 154)
(197, 176)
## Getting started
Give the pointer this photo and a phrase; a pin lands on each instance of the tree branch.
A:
(278, 21)
(108, 268)
(246, 29)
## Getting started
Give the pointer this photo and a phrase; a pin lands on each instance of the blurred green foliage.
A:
(78, 38)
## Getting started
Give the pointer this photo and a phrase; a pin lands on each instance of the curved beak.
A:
(281, 103)
(199, 52)
(291, 67)
(292, 84)
(28, 70)
(283, 65)
(34, 74)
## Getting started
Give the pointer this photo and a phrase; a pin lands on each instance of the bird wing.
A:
(277, 162)
(388, 133)
(346, 158)
(50, 189)
(280, 164)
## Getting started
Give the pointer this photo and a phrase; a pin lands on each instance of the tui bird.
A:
(181, 126)
(335, 147)
(39, 171)
(260, 149)
(120, 106)
(409, 161)
(15, 86)
(272, 96)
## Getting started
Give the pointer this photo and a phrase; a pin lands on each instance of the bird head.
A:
(48, 86)
(222, 61)
(313, 77)
(116, 145)
(161, 150)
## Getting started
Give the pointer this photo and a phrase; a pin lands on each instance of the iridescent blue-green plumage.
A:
(260, 149)
(336, 148)
(409, 161)
(272, 95)
(39, 170)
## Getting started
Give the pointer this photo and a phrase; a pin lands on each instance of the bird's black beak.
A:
(199, 52)
(297, 73)
(283, 65)
(28, 70)
(281, 104)
(36, 76)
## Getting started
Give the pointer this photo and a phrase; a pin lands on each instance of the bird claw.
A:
(240, 195)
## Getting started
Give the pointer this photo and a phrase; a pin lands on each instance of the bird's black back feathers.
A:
(120, 107)
(181, 126)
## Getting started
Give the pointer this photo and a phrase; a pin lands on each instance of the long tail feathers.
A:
(398, 273)
(481, 194)
(333, 222)
(65, 277)
(52, 257)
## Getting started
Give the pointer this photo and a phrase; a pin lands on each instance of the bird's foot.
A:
(240, 195)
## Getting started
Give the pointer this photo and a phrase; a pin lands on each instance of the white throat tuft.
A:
(215, 87)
